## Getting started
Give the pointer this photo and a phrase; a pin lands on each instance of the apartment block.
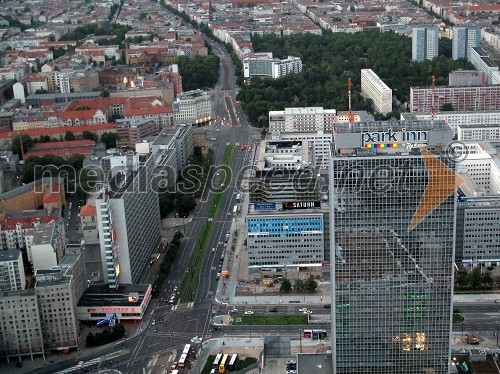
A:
(464, 39)
(33, 321)
(57, 291)
(425, 43)
(457, 119)
(12, 276)
(20, 325)
(461, 98)
(374, 88)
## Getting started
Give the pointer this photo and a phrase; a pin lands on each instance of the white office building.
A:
(12, 277)
(482, 61)
(193, 107)
(317, 142)
(372, 87)
(264, 65)
(463, 40)
(478, 208)
(308, 119)
(425, 43)
(286, 239)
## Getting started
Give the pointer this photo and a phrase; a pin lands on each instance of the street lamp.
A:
(125, 336)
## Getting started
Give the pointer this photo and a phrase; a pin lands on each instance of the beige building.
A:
(45, 245)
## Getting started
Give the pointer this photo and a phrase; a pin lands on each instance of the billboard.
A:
(301, 205)
(264, 206)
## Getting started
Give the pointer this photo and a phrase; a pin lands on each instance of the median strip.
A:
(191, 280)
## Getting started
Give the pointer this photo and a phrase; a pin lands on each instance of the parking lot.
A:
(277, 365)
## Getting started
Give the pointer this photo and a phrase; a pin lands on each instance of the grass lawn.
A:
(457, 318)
(273, 320)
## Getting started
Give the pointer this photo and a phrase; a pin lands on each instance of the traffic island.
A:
(270, 320)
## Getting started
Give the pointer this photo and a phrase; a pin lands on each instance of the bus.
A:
(217, 361)
(223, 364)
(186, 349)
(233, 362)
(238, 198)
(315, 334)
(182, 360)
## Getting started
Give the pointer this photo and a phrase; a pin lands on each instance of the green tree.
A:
(69, 136)
(76, 161)
(109, 139)
(487, 279)
(298, 285)
(310, 285)
(475, 278)
(89, 135)
(185, 203)
(167, 203)
(24, 139)
(286, 285)
(448, 107)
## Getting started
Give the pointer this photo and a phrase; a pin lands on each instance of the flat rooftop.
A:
(102, 295)
(9, 255)
(317, 363)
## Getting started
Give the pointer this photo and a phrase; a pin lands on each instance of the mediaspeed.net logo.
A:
(443, 181)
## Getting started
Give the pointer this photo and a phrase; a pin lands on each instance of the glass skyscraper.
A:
(392, 248)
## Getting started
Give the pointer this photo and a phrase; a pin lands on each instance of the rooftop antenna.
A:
(433, 109)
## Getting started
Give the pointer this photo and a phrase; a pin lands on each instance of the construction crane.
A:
(351, 116)
(433, 109)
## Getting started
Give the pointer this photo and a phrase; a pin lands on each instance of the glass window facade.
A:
(392, 286)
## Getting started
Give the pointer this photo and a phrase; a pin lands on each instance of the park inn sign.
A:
(392, 139)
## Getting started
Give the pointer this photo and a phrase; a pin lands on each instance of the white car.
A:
(248, 312)
(303, 310)
(153, 322)
(213, 250)
(234, 310)
(307, 312)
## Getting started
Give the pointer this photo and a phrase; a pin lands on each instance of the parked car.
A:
(302, 310)
(248, 312)
(273, 310)
(327, 306)
(307, 312)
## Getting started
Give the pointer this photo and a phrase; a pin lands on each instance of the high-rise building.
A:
(464, 38)
(425, 43)
(456, 119)
(128, 239)
(374, 88)
(392, 208)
